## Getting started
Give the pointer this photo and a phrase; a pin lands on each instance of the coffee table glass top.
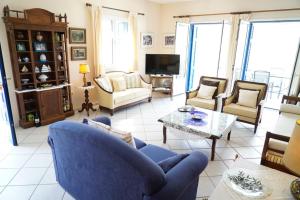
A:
(215, 124)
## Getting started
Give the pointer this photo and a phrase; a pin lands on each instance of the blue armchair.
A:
(93, 165)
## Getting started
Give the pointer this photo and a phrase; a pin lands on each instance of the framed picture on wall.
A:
(78, 53)
(169, 40)
(147, 40)
(77, 35)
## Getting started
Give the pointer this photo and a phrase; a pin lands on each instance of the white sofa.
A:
(113, 100)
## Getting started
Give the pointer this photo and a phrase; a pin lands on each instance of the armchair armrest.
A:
(182, 176)
(227, 100)
(191, 94)
(290, 99)
(274, 136)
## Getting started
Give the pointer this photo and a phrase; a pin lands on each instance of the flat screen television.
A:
(167, 64)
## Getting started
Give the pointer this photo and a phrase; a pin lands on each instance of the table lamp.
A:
(83, 69)
(291, 159)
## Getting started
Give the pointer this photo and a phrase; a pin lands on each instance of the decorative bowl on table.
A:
(198, 115)
(25, 80)
(244, 182)
(186, 108)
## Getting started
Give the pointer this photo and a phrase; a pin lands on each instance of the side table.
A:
(87, 105)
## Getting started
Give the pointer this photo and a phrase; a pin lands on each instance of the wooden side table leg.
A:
(213, 148)
(165, 134)
(228, 136)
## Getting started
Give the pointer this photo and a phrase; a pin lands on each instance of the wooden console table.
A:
(161, 87)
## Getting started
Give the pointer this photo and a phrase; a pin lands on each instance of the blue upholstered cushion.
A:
(169, 163)
(156, 153)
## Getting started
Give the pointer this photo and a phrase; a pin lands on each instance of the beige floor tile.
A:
(67, 196)
(178, 144)
(205, 187)
(48, 192)
(215, 179)
(198, 144)
(215, 168)
(14, 161)
(39, 160)
(28, 176)
(49, 177)
(6, 176)
(248, 152)
(17, 192)
(226, 153)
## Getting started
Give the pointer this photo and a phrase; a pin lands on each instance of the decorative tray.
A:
(186, 108)
(246, 184)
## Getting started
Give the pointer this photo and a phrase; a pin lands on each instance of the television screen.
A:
(162, 64)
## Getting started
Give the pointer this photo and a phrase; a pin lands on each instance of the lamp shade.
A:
(291, 157)
(84, 68)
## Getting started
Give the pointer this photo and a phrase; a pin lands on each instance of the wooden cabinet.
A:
(38, 49)
(50, 106)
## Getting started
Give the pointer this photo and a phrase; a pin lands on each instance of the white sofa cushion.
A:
(119, 83)
(206, 92)
(105, 83)
(248, 98)
(290, 108)
(124, 97)
(133, 80)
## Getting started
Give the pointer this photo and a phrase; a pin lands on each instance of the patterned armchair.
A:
(251, 115)
(211, 104)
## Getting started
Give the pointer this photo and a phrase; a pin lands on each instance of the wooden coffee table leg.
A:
(228, 136)
(213, 148)
(165, 134)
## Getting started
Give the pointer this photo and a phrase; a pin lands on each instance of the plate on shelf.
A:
(25, 80)
(245, 183)
(198, 115)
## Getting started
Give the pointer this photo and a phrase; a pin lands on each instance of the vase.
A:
(39, 36)
(43, 57)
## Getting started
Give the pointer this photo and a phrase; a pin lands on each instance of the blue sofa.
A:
(92, 165)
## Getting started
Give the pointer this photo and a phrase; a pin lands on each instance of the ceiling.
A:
(168, 1)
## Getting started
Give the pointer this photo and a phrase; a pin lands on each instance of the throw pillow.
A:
(123, 135)
(105, 83)
(212, 83)
(248, 98)
(169, 163)
(133, 80)
(119, 84)
(206, 92)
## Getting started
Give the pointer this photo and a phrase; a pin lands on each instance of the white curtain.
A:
(235, 25)
(96, 23)
(132, 47)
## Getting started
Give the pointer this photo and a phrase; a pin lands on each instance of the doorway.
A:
(266, 53)
(7, 133)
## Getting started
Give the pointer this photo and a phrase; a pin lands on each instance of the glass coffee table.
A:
(213, 126)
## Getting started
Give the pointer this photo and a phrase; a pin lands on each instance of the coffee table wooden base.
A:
(213, 146)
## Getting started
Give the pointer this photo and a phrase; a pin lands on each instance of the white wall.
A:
(78, 17)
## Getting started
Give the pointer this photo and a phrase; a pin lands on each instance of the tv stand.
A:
(162, 83)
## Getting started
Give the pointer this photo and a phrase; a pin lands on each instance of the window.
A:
(115, 42)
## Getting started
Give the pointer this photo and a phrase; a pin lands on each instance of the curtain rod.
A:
(127, 11)
(236, 13)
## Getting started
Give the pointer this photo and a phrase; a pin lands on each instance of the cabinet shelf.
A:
(25, 73)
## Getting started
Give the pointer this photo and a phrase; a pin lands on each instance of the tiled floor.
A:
(26, 171)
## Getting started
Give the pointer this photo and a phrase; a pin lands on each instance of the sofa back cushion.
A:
(133, 80)
(222, 83)
(123, 135)
(248, 98)
(105, 83)
(252, 86)
(119, 84)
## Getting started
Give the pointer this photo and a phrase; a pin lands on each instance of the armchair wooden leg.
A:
(149, 99)
(255, 128)
(112, 112)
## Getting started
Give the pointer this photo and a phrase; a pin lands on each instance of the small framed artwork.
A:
(169, 40)
(77, 35)
(78, 53)
(147, 40)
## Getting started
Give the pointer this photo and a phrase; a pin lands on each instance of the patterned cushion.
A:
(133, 80)
(123, 135)
(104, 82)
(119, 84)
(274, 157)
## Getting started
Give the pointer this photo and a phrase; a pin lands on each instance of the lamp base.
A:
(295, 188)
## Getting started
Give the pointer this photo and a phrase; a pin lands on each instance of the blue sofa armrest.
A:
(103, 119)
(182, 177)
